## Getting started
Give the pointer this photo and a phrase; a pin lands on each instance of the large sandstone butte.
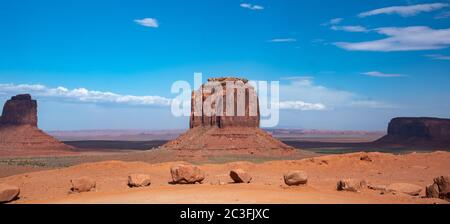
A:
(19, 134)
(418, 131)
(236, 128)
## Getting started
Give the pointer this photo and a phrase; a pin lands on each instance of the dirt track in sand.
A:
(52, 186)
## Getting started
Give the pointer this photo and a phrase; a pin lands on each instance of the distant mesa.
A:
(19, 134)
(418, 131)
(220, 121)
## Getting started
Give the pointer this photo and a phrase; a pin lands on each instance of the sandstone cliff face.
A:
(19, 134)
(230, 130)
(20, 110)
(418, 131)
(225, 102)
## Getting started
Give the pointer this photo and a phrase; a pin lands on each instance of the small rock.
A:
(352, 185)
(440, 188)
(405, 188)
(240, 176)
(366, 158)
(186, 174)
(295, 178)
(432, 191)
(139, 180)
(8, 193)
(82, 184)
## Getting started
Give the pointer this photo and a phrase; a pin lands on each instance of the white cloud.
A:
(381, 74)
(334, 21)
(438, 57)
(405, 11)
(148, 22)
(251, 6)
(303, 89)
(281, 40)
(350, 28)
(82, 95)
(443, 15)
(402, 39)
(301, 105)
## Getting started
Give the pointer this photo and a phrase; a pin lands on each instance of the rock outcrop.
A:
(139, 180)
(240, 176)
(225, 102)
(440, 188)
(19, 134)
(225, 116)
(419, 131)
(352, 185)
(82, 184)
(186, 174)
(19, 110)
(8, 193)
(295, 178)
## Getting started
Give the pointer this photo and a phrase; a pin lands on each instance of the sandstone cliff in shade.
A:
(223, 122)
(418, 131)
(19, 134)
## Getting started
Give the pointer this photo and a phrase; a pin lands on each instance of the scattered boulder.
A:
(352, 185)
(8, 193)
(240, 176)
(405, 188)
(366, 158)
(440, 188)
(186, 174)
(82, 184)
(139, 180)
(432, 191)
(295, 178)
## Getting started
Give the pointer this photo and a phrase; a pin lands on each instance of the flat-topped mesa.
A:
(19, 110)
(420, 127)
(418, 132)
(225, 102)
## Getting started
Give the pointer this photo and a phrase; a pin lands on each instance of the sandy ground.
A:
(52, 186)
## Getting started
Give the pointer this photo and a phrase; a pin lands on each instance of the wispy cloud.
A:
(443, 15)
(251, 6)
(405, 11)
(438, 57)
(82, 95)
(148, 22)
(282, 40)
(334, 21)
(350, 28)
(301, 105)
(381, 74)
(411, 38)
(303, 89)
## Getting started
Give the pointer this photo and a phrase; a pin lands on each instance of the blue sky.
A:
(364, 61)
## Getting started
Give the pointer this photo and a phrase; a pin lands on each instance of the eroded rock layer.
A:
(19, 134)
(418, 131)
(236, 128)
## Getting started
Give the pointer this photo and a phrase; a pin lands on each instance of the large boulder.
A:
(139, 180)
(352, 185)
(440, 188)
(19, 110)
(8, 193)
(186, 174)
(82, 184)
(405, 188)
(240, 176)
(295, 178)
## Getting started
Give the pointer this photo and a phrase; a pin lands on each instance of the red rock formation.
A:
(213, 127)
(418, 131)
(20, 110)
(225, 102)
(19, 134)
